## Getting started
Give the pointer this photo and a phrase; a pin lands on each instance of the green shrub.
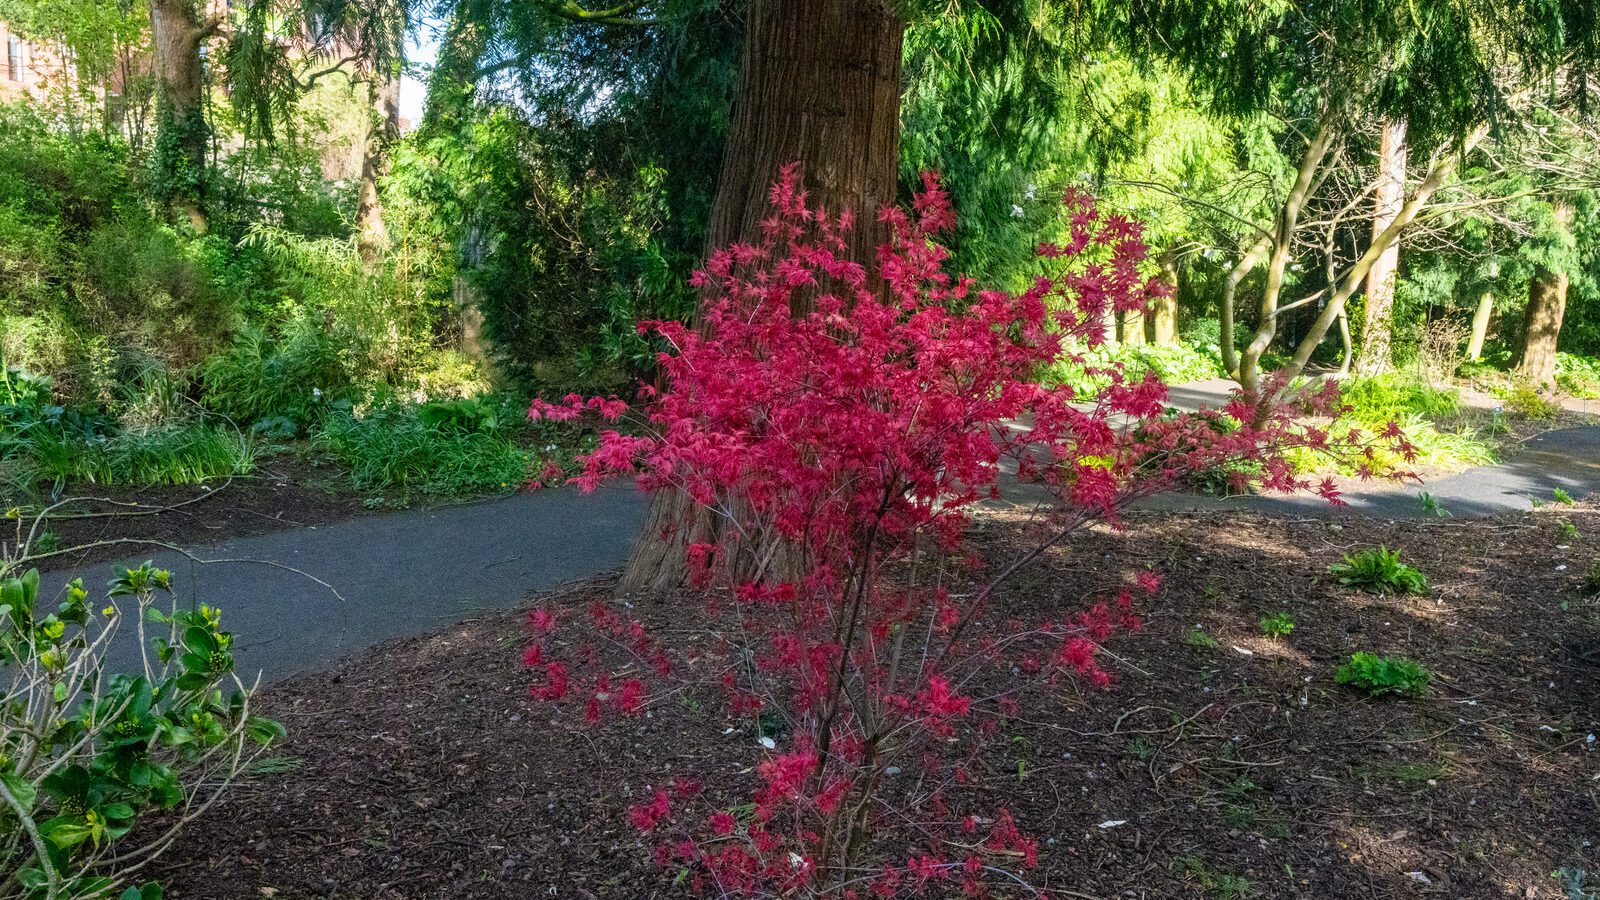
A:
(1526, 401)
(1378, 570)
(85, 755)
(1398, 397)
(394, 448)
(1578, 375)
(1384, 675)
(1591, 578)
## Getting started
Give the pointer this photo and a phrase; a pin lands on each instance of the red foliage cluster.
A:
(838, 425)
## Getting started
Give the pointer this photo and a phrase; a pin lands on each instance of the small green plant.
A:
(1591, 578)
(1561, 496)
(46, 542)
(1383, 676)
(1277, 625)
(1526, 401)
(1567, 530)
(1378, 570)
(1220, 885)
(1200, 640)
(1575, 882)
(1431, 506)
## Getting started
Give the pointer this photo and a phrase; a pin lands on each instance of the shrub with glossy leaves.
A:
(837, 423)
(87, 753)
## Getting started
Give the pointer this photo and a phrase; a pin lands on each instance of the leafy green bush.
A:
(1174, 364)
(394, 448)
(1578, 375)
(1384, 675)
(295, 377)
(1378, 570)
(85, 755)
(1396, 396)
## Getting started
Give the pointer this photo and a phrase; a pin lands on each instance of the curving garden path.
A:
(411, 572)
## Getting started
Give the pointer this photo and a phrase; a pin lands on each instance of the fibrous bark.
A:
(819, 85)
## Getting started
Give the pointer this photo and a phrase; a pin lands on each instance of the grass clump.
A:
(183, 454)
(1378, 570)
(1381, 676)
(395, 448)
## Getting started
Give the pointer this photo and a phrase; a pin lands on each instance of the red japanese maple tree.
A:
(840, 426)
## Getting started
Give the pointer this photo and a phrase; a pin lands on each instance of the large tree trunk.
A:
(1377, 332)
(1163, 317)
(1547, 304)
(1480, 326)
(182, 136)
(819, 84)
(382, 131)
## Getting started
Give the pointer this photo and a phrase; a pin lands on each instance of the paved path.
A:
(410, 572)
(1567, 458)
(399, 574)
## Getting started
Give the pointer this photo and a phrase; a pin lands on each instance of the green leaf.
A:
(20, 790)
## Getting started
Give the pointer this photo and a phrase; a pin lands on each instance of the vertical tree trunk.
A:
(181, 132)
(1377, 332)
(819, 84)
(382, 131)
(1163, 317)
(1133, 327)
(1547, 304)
(1480, 326)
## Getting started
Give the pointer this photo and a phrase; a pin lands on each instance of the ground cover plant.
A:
(1379, 570)
(853, 432)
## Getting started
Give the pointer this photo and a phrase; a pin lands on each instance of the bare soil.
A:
(1237, 766)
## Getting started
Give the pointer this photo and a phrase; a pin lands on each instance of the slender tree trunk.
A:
(1377, 332)
(819, 84)
(1480, 326)
(1547, 304)
(1163, 317)
(382, 131)
(1226, 306)
(1282, 249)
(181, 132)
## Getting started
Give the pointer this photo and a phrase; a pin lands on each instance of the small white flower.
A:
(1016, 211)
(316, 392)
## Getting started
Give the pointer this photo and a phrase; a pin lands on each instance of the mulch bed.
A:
(1240, 769)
